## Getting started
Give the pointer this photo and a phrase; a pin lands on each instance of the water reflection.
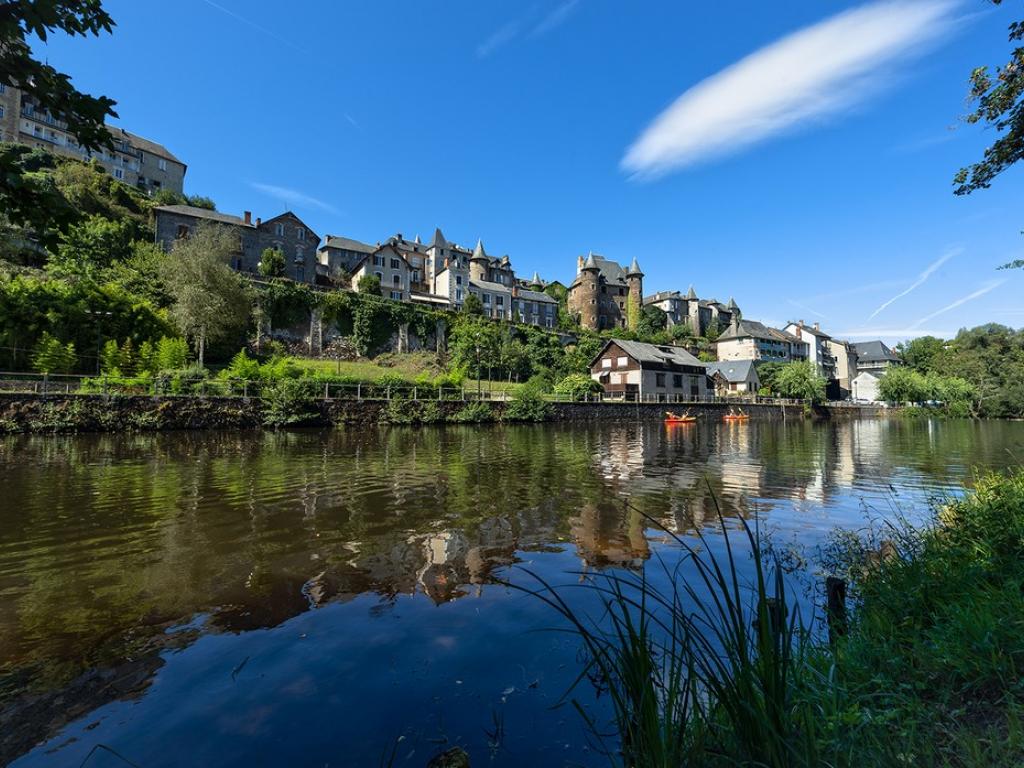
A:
(108, 541)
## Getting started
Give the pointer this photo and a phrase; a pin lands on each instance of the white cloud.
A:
(807, 75)
(293, 197)
(805, 308)
(510, 31)
(921, 279)
(891, 333)
(503, 36)
(555, 18)
(988, 287)
(254, 25)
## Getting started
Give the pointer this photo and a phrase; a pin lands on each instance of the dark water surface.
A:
(307, 598)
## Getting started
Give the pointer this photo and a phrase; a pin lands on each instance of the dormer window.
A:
(279, 229)
(300, 233)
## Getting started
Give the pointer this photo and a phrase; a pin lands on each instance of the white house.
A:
(734, 377)
(865, 387)
(635, 370)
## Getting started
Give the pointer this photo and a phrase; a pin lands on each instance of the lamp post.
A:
(99, 315)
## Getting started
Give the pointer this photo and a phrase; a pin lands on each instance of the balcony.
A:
(42, 117)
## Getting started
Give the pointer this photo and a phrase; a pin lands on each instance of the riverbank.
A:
(924, 671)
(61, 413)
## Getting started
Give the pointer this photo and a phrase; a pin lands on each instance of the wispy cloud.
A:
(533, 27)
(352, 120)
(805, 308)
(555, 18)
(254, 25)
(987, 288)
(806, 76)
(505, 34)
(921, 280)
(293, 197)
(891, 333)
(925, 143)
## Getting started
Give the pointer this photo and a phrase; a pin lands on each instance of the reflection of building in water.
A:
(610, 534)
(623, 455)
(452, 560)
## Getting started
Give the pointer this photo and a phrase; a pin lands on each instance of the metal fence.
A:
(326, 389)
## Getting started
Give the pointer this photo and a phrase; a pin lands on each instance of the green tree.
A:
(766, 372)
(209, 300)
(369, 284)
(90, 247)
(22, 199)
(998, 97)
(652, 321)
(903, 385)
(577, 386)
(53, 357)
(472, 305)
(800, 380)
(171, 354)
(272, 263)
(921, 353)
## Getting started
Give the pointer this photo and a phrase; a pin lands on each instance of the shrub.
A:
(527, 405)
(290, 401)
(577, 386)
(53, 357)
(242, 367)
(474, 413)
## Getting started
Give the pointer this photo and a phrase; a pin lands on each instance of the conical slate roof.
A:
(418, 241)
(536, 279)
(438, 240)
(478, 252)
(590, 263)
(732, 303)
(691, 294)
(634, 268)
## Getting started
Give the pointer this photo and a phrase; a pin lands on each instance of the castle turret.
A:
(635, 299)
(587, 295)
(478, 262)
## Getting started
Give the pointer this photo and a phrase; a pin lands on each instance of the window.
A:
(1, 105)
(677, 381)
(182, 231)
(458, 279)
(659, 379)
(622, 362)
(499, 300)
(161, 164)
(396, 295)
(415, 276)
(606, 362)
(118, 173)
(279, 229)
(380, 275)
(396, 264)
(299, 256)
(378, 260)
(487, 298)
(396, 280)
(300, 233)
(458, 294)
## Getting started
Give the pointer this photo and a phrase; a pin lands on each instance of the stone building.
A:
(638, 371)
(751, 340)
(134, 160)
(845, 355)
(875, 357)
(605, 294)
(389, 264)
(286, 233)
(341, 255)
(700, 315)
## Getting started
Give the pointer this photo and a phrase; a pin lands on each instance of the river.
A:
(321, 597)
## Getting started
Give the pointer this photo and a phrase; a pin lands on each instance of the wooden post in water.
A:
(835, 607)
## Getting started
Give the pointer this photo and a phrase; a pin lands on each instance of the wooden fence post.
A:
(835, 607)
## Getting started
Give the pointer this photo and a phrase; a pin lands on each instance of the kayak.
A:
(671, 418)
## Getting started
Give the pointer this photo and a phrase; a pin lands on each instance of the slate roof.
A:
(528, 295)
(203, 213)
(144, 144)
(653, 355)
(813, 331)
(487, 285)
(734, 371)
(348, 244)
(753, 329)
(875, 351)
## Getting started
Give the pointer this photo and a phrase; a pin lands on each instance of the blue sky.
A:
(795, 155)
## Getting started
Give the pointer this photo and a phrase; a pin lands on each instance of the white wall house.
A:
(865, 387)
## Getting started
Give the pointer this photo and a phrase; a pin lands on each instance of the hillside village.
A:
(603, 295)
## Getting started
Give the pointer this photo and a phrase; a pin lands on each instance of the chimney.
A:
(248, 217)
(258, 221)
(515, 291)
(579, 264)
(817, 326)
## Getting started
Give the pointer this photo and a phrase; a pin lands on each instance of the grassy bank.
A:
(718, 670)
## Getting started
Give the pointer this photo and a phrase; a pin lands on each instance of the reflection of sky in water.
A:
(330, 592)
